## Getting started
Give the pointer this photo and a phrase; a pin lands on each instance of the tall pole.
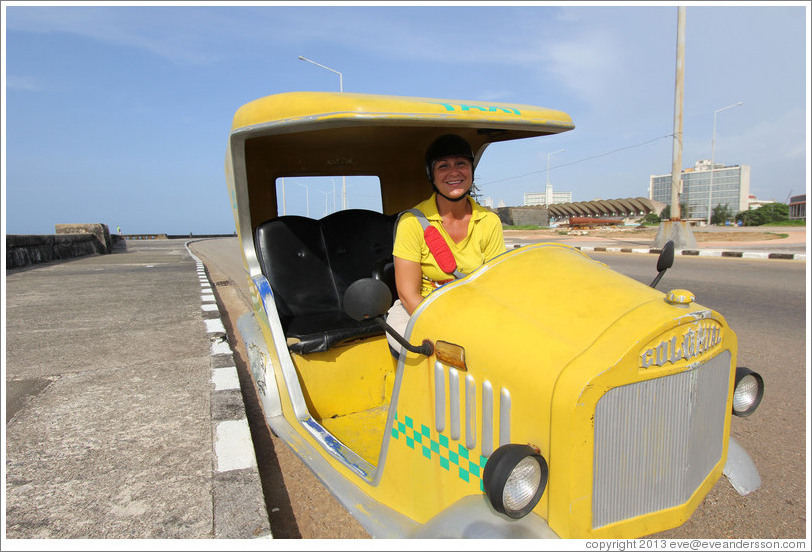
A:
(713, 147)
(340, 76)
(679, 95)
(307, 197)
(547, 195)
(341, 89)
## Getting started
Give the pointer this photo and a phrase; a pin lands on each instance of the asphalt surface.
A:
(123, 411)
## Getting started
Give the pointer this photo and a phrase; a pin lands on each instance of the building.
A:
(731, 188)
(797, 207)
(560, 213)
(755, 203)
(547, 197)
(630, 208)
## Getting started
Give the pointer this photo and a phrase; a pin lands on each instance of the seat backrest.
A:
(357, 242)
(311, 263)
(293, 257)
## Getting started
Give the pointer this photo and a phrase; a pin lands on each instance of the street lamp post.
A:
(341, 89)
(340, 76)
(284, 202)
(326, 201)
(548, 196)
(713, 147)
(284, 199)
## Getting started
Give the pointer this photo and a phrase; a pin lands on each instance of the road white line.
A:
(221, 348)
(225, 378)
(214, 325)
(233, 447)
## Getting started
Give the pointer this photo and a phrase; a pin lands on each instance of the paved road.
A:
(112, 402)
(764, 301)
(299, 505)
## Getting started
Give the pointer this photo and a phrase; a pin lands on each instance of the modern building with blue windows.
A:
(730, 187)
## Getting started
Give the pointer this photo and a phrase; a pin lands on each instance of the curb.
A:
(688, 252)
(703, 253)
(239, 510)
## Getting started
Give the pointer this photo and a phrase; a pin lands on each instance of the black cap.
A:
(448, 144)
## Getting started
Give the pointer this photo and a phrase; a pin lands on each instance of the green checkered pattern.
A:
(438, 447)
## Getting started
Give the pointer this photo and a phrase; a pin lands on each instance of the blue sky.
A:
(120, 114)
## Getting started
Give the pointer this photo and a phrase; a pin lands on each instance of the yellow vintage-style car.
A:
(543, 395)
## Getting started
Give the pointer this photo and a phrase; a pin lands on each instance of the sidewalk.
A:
(124, 417)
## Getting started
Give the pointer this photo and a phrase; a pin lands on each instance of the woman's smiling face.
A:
(453, 175)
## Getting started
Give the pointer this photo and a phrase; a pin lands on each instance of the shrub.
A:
(766, 214)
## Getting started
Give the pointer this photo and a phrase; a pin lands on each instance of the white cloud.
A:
(22, 83)
(773, 140)
(166, 32)
(585, 63)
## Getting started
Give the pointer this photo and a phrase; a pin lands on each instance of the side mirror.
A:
(367, 298)
(370, 298)
(664, 261)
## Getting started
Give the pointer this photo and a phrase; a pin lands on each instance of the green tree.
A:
(651, 218)
(476, 193)
(666, 213)
(771, 212)
(721, 214)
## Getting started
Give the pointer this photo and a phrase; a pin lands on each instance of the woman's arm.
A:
(408, 275)
(495, 240)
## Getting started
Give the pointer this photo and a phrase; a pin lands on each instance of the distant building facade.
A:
(485, 202)
(631, 208)
(547, 197)
(797, 207)
(755, 203)
(731, 188)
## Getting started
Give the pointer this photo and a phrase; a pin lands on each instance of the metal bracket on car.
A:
(472, 517)
(740, 469)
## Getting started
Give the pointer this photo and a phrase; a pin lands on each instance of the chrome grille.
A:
(657, 440)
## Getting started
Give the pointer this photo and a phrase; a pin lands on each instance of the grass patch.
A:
(786, 223)
(522, 227)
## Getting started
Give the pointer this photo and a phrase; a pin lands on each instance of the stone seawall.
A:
(70, 241)
(524, 216)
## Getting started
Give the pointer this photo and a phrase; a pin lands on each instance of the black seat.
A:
(309, 265)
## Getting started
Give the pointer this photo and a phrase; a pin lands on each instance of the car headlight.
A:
(748, 389)
(514, 479)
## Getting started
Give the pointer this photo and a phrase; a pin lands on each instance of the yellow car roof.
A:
(303, 134)
(346, 108)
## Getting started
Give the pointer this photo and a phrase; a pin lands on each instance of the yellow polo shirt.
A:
(484, 241)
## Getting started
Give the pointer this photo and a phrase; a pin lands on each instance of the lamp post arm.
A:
(713, 151)
(340, 76)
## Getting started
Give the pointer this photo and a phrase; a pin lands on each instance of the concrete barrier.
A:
(100, 231)
(531, 215)
(70, 241)
(145, 236)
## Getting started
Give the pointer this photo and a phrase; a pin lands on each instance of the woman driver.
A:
(472, 233)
